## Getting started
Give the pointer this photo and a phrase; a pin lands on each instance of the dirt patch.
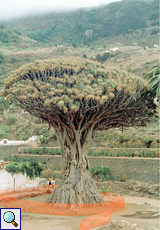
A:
(42, 222)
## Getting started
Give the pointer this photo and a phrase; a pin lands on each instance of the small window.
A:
(5, 141)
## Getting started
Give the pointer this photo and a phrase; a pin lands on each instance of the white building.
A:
(114, 49)
(155, 46)
(31, 141)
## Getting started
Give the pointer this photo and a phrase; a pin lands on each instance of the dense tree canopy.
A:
(78, 97)
(52, 89)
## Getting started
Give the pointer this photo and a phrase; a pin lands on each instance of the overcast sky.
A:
(16, 8)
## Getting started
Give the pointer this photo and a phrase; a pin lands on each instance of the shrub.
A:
(2, 58)
(14, 158)
(105, 189)
(56, 151)
(95, 153)
(43, 131)
(43, 140)
(74, 45)
(49, 174)
(102, 58)
(58, 167)
(4, 131)
(89, 152)
(11, 121)
(84, 56)
(106, 153)
(45, 150)
(121, 178)
(31, 169)
(100, 173)
(51, 151)
(12, 168)
(30, 150)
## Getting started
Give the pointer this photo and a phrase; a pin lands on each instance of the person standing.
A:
(53, 183)
(49, 184)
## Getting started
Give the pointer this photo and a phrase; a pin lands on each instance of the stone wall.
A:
(7, 150)
(141, 169)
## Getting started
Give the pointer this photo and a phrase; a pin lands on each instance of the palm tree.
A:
(3, 105)
(153, 78)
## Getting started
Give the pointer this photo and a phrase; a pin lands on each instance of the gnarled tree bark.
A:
(77, 186)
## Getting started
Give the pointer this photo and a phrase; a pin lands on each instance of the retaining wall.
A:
(7, 150)
(142, 169)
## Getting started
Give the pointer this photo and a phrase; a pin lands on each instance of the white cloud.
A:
(17, 8)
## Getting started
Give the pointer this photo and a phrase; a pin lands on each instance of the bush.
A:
(14, 158)
(45, 150)
(43, 140)
(12, 168)
(4, 131)
(30, 150)
(51, 151)
(49, 174)
(56, 151)
(31, 169)
(74, 45)
(2, 58)
(100, 173)
(43, 131)
(84, 56)
(104, 57)
(11, 121)
(89, 152)
(121, 178)
(105, 189)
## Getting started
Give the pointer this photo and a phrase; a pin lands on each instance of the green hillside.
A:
(7, 35)
(114, 19)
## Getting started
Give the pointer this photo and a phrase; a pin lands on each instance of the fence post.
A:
(14, 184)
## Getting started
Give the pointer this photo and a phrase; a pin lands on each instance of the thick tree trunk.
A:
(77, 186)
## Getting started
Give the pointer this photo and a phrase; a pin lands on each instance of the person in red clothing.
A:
(53, 183)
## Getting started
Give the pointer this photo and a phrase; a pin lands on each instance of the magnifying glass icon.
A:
(9, 217)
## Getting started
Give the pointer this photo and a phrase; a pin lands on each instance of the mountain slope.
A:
(111, 20)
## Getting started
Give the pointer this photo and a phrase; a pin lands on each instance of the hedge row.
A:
(109, 153)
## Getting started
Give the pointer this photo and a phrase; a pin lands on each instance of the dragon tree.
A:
(78, 97)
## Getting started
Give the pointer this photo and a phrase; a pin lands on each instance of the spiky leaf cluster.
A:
(153, 78)
(48, 88)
